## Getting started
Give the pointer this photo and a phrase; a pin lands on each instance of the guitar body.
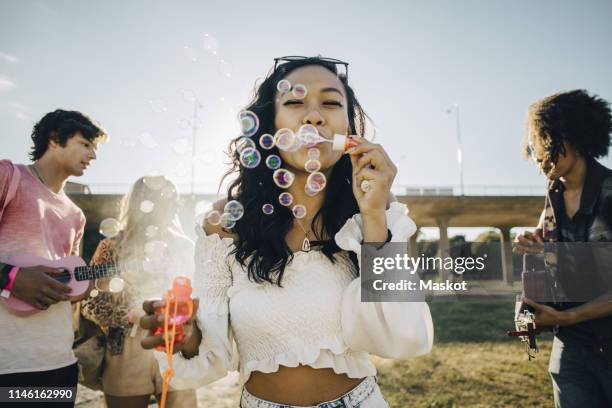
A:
(79, 288)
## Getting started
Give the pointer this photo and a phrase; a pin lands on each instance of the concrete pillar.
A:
(443, 244)
(413, 247)
(506, 255)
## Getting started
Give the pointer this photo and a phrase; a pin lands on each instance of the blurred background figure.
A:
(151, 249)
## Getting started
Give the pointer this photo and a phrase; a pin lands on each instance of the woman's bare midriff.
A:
(301, 385)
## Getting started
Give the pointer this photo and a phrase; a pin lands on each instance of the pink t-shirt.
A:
(38, 222)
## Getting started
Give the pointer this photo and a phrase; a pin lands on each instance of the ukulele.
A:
(77, 276)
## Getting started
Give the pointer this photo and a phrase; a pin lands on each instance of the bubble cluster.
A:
(283, 178)
(250, 158)
(273, 162)
(234, 209)
(283, 86)
(146, 206)
(299, 91)
(267, 209)
(110, 227)
(266, 141)
(249, 123)
(285, 199)
(299, 211)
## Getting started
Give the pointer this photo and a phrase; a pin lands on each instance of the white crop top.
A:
(316, 318)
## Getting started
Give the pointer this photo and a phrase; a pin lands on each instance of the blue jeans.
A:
(365, 395)
(581, 376)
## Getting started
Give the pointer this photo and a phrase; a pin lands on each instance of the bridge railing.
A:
(399, 190)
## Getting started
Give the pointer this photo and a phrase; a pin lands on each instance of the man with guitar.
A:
(37, 219)
(566, 132)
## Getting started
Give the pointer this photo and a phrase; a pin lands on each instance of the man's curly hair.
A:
(59, 126)
(583, 121)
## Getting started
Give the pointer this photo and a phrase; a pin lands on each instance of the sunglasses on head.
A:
(290, 58)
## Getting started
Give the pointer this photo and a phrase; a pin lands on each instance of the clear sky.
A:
(129, 63)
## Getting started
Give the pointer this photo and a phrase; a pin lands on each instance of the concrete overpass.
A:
(433, 210)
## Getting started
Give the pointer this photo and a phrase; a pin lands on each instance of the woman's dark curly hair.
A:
(59, 126)
(575, 117)
(260, 243)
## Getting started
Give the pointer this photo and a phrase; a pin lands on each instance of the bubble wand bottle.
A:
(178, 309)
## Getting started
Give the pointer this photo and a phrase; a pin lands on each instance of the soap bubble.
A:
(249, 123)
(267, 208)
(283, 86)
(148, 140)
(312, 165)
(309, 191)
(226, 221)
(244, 143)
(273, 162)
(116, 285)
(213, 217)
(308, 134)
(181, 146)
(250, 158)
(211, 44)
(316, 181)
(285, 199)
(283, 178)
(314, 153)
(234, 209)
(110, 227)
(151, 231)
(284, 138)
(299, 211)
(299, 91)
(266, 141)
(146, 206)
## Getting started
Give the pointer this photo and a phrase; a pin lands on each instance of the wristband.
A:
(389, 236)
(11, 275)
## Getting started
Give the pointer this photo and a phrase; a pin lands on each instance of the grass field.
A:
(473, 363)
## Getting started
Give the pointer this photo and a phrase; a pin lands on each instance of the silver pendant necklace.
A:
(306, 241)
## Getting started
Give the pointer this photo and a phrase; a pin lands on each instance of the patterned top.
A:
(151, 280)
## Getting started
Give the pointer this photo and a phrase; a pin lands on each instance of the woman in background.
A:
(151, 249)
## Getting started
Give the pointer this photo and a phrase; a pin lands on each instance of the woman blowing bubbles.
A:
(299, 333)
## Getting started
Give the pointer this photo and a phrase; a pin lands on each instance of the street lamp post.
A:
(455, 108)
(197, 105)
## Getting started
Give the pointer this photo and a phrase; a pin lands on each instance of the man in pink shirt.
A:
(37, 218)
